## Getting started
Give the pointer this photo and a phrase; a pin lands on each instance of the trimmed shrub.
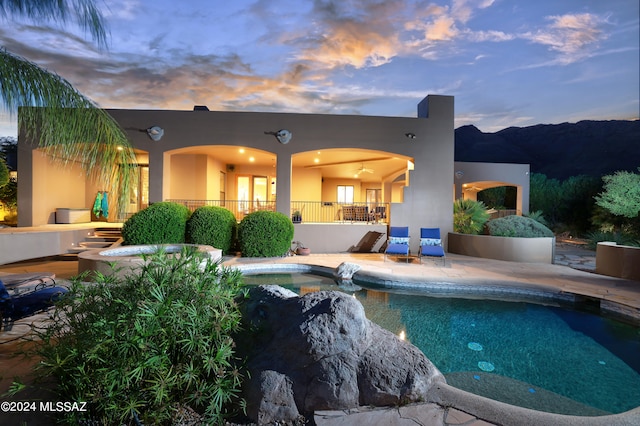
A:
(143, 348)
(469, 216)
(213, 226)
(160, 223)
(265, 234)
(518, 226)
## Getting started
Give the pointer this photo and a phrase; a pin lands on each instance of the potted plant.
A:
(301, 249)
(296, 216)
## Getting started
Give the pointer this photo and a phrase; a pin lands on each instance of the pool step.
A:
(101, 238)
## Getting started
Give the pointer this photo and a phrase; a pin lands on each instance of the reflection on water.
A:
(541, 357)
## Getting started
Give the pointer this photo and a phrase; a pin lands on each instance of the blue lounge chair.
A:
(23, 305)
(398, 242)
(431, 244)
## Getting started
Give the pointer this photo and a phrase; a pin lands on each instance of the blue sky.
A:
(508, 63)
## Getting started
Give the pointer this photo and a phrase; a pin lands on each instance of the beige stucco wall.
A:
(426, 202)
(58, 186)
(490, 175)
(534, 250)
(334, 238)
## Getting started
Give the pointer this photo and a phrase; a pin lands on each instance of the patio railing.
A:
(310, 211)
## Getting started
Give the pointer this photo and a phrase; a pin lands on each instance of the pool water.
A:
(541, 357)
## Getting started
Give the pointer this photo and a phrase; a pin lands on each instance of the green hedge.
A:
(518, 226)
(160, 223)
(213, 226)
(265, 234)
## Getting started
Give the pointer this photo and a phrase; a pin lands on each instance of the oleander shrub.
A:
(469, 216)
(160, 223)
(265, 234)
(140, 349)
(214, 226)
(518, 226)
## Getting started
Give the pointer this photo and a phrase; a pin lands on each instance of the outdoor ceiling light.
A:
(155, 133)
(410, 135)
(283, 135)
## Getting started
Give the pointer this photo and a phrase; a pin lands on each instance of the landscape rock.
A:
(345, 270)
(320, 352)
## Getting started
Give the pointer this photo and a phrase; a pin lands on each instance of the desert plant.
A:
(469, 216)
(518, 226)
(537, 216)
(160, 223)
(265, 234)
(142, 347)
(620, 238)
(214, 226)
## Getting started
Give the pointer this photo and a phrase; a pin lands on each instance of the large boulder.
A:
(320, 352)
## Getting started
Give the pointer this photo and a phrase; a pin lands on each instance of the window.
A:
(345, 193)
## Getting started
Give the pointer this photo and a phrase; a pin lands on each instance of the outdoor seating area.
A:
(431, 244)
(398, 242)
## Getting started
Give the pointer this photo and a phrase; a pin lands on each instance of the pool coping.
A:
(495, 289)
(446, 395)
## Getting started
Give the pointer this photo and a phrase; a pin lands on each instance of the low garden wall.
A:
(618, 261)
(536, 250)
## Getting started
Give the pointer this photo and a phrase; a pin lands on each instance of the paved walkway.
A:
(570, 273)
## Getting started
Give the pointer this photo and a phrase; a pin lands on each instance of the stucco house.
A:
(345, 174)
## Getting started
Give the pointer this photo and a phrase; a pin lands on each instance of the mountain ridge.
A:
(588, 147)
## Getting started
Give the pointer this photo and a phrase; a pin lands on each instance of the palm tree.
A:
(63, 122)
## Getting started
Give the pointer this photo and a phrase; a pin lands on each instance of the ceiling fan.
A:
(363, 169)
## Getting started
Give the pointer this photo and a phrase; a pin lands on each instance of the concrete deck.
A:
(449, 406)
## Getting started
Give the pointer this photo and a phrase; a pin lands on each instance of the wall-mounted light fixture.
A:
(155, 133)
(410, 135)
(283, 136)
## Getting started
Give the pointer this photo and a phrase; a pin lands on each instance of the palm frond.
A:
(85, 12)
(67, 125)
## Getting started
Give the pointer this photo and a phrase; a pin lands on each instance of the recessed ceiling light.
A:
(251, 159)
(241, 150)
(316, 160)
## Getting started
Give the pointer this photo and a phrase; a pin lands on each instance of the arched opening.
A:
(241, 179)
(347, 185)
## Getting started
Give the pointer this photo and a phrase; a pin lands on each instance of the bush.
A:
(160, 223)
(138, 348)
(518, 226)
(265, 234)
(214, 226)
(469, 216)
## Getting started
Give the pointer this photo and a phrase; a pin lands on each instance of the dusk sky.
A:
(507, 62)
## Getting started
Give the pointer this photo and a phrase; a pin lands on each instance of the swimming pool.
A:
(547, 358)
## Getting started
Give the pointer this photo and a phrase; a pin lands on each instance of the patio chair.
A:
(431, 244)
(22, 305)
(398, 242)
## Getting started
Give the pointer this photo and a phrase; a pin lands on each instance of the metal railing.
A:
(495, 214)
(304, 211)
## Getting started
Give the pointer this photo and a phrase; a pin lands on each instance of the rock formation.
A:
(320, 352)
